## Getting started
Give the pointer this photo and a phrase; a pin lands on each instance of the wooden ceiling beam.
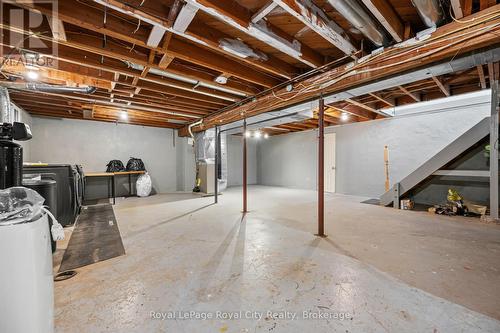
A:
(163, 85)
(166, 58)
(316, 19)
(383, 100)
(491, 73)
(88, 99)
(409, 93)
(355, 111)
(50, 113)
(185, 17)
(445, 89)
(361, 105)
(57, 28)
(464, 39)
(482, 78)
(456, 6)
(149, 101)
(263, 11)
(387, 16)
(240, 50)
(205, 36)
(238, 17)
(178, 48)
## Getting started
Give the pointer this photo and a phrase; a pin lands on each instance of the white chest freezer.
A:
(26, 278)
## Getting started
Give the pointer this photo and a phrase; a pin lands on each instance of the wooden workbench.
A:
(111, 178)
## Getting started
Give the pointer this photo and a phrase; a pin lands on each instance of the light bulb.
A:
(248, 134)
(258, 134)
(32, 75)
(266, 135)
(344, 116)
(124, 115)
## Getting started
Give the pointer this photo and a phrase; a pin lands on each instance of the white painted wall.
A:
(93, 144)
(291, 160)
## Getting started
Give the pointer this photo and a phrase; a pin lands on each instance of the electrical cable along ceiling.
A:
(172, 63)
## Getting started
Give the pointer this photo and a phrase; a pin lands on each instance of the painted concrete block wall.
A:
(93, 144)
(235, 161)
(186, 166)
(290, 160)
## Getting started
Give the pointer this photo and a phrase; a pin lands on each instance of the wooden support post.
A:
(321, 168)
(386, 168)
(494, 151)
(245, 166)
(216, 166)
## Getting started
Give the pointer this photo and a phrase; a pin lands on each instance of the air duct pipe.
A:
(357, 15)
(430, 11)
(5, 106)
(48, 88)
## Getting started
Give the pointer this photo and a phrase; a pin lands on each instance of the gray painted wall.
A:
(92, 144)
(235, 161)
(185, 163)
(290, 160)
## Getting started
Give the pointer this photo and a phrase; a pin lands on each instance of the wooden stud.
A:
(387, 16)
(316, 19)
(482, 78)
(412, 95)
(444, 89)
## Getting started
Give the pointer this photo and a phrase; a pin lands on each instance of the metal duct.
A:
(204, 150)
(356, 14)
(5, 106)
(430, 11)
(48, 88)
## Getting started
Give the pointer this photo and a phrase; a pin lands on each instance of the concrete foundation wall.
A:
(235, 161)
(93, 144)
(291, 160)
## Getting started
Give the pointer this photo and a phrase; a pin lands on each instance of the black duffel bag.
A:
(135, 164)
(115, 166)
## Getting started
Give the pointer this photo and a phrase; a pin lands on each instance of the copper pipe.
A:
(244, 166)
(321, 168)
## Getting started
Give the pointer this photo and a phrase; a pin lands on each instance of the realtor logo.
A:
(30, 30)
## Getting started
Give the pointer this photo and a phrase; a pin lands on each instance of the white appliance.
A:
(26, 278)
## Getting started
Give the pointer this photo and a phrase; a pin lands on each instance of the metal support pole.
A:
(321, 169)
(244, 166)
(216, 167)
(494, 150)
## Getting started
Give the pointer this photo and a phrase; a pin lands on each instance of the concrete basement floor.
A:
(383, 270)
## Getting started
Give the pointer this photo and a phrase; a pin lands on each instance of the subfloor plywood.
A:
(388, 270)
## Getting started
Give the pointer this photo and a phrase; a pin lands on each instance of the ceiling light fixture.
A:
(266, 135)
(344, 116)
(248, 134)
(221, 79)
(32, 75)
(257, 134)
(124, 115)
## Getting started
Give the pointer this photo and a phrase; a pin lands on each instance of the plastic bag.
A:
(143, 185)
(135, 164)
(453, 195)
(19, 204)
(115, 166)
(22, 204)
